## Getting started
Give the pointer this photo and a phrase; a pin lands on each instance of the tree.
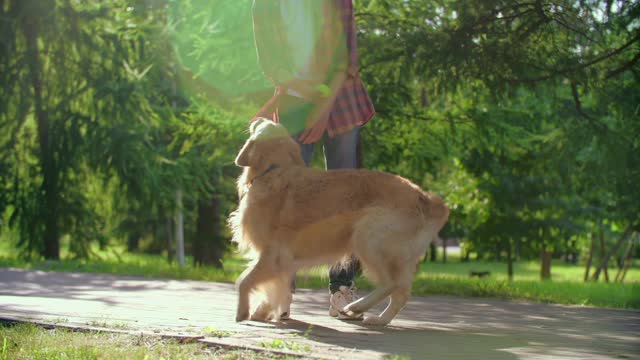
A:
(526, 75)
(41, 42)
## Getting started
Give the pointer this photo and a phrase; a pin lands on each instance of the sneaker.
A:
(341, 298)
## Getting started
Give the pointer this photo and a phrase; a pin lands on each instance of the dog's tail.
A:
(235, 224)
(235, 219)
(434, 209)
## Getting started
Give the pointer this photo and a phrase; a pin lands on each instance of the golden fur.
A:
(292, 217)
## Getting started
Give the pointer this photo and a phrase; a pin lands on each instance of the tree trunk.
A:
(575, 253)
(133, 241)
(179, 228)
(466, 256)
(509, 261)
(605, 260)
(602, 255)
(628, 258)
(433, 251)
(208, 247)
(170, 240)
(50, 189)
(424, 98)
(545, 268)
(444, 251)
(590, 259)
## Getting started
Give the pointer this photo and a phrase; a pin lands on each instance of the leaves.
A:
(522, 114)
(522, 88)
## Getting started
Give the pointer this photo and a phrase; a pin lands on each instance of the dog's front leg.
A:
(242, 311)
(263, 312)
(248, 281)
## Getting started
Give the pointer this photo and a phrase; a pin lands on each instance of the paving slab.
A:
(433, 327)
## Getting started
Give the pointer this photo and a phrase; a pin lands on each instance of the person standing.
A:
(308, 51)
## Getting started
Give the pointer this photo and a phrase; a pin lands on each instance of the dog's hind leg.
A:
(368, 239)
(399, 298)
(367, 302)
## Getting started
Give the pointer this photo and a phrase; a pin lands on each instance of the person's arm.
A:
(268, 34)
(337, 55)
(337, 43)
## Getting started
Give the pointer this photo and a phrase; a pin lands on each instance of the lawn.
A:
(27, 341)
(565, 287)
(523, 270)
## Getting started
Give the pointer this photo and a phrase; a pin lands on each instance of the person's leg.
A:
(307, 152)
(340, 153)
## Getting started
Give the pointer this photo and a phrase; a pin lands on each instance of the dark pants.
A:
(339, 153)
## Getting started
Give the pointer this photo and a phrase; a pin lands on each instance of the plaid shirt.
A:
(334, 63)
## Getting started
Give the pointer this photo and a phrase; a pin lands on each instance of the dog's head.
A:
(269, 144)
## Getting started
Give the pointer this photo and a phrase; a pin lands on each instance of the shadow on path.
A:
(429, 327)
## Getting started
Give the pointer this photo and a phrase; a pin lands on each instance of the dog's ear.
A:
(243, 158)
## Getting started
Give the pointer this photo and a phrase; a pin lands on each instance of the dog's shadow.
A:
(416, 343)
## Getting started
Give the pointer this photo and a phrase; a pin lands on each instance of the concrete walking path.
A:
(433, 327)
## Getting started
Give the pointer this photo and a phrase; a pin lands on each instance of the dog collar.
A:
(269, 169)
(246, 189)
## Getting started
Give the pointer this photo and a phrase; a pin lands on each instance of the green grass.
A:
(27, 341)
(289, 345)
(117, 261)
(523, 270)
(612, 295)
(565, 287)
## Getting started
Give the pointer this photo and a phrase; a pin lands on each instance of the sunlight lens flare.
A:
(215, 43)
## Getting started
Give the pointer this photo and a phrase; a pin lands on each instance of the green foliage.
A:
(521, 95)
(213, 43)
(123, 137)
(73, 65)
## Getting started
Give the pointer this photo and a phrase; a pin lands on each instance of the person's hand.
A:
(314, 133)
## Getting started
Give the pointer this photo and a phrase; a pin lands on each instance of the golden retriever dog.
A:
(293, 217)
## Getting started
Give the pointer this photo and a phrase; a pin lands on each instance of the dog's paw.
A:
(350, 315)
(262, 313)
(242, 315)
(374, 320)
(351, 312)
(261, 317)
